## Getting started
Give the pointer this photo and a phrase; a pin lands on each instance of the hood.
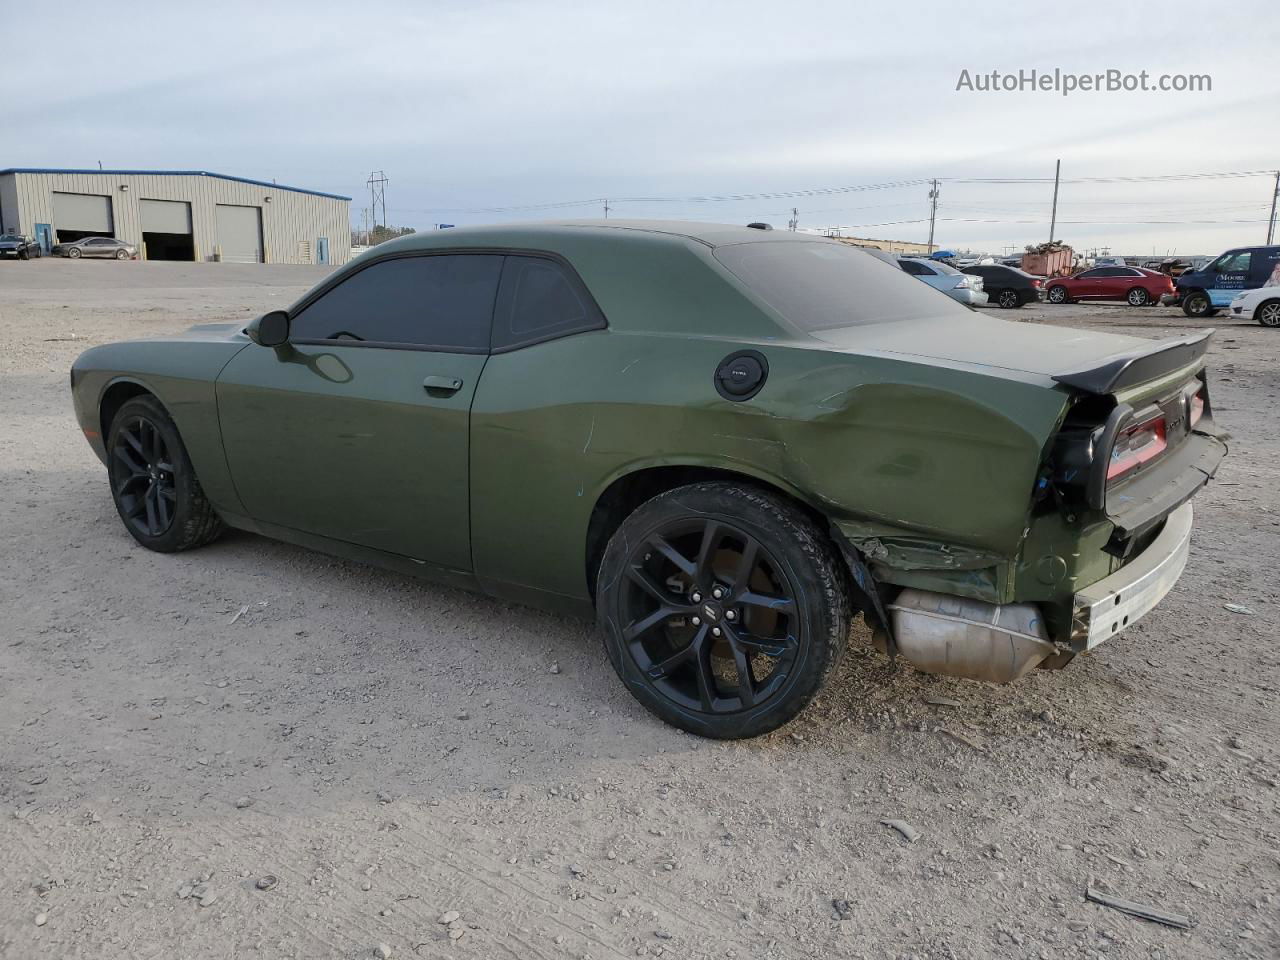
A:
(976, 340)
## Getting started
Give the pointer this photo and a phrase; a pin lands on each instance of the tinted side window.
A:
(540, 299)
(911, 268)
(1236, 263)
(441, 301)
(1089, 274)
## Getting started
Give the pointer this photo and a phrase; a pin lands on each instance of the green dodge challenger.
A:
(722, 442)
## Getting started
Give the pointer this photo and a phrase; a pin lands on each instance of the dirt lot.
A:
(391, 751)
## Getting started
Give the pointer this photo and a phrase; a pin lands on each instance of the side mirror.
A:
(270, 329)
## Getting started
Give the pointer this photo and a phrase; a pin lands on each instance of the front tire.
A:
(1058, 295)
(74, 253)
(122, 255)
(1138, 297)
(1268, 314)
(724, 608)
(155, 488)
(1197, 304)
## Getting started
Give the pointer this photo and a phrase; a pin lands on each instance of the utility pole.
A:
(606, 208)
(378, 195)
(1271, 221)
(933, 212)
(795, 219)
(1053, 218)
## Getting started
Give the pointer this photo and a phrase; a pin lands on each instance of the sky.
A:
(491, 110)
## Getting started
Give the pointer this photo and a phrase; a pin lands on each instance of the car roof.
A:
(546, 233)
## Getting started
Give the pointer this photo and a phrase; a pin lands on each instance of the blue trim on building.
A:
(179, 173)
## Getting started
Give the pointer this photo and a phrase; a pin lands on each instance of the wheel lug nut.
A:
(696, 597)
(730, 615)
(715, 631)
(697, 621)
(717, 593)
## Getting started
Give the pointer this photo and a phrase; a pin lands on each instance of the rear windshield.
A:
(823, 285)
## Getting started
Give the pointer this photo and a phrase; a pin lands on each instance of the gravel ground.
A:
(385, 755)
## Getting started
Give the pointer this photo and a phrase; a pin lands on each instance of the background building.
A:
(178, 214)
(903, 247)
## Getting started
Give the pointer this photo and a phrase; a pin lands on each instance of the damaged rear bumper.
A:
(951, 635)
(1114, 603)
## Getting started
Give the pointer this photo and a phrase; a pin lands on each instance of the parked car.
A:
(1007, 287)
(16, 245)
(941, 276)
(1261, 304)
(1134, 285)
(1203, 292)
(96, 247)
(764, 434)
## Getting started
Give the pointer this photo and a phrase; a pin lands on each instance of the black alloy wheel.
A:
(153, 484)
(1008, 299)
(723, 609)
(143, 481)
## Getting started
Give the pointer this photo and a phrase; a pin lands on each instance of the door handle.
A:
(442, 384)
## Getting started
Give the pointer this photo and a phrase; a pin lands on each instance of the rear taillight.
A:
(1035, 283)
(1136, 445)
(1195, 407)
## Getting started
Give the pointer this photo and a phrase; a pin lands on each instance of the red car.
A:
(1135, 285)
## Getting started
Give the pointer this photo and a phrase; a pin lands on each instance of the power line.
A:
(836, 191)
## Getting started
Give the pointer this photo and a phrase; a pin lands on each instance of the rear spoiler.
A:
(1137, 366)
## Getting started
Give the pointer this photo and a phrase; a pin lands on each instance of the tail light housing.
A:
(1036, 283)
(1136, 444)
(1196, 404)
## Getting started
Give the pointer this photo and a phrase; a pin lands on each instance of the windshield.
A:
(9, 236)
(821, 285)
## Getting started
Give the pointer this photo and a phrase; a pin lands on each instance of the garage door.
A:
(82, 213)
(165, 216)
(239, 233)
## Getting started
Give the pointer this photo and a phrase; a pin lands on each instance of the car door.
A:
(1117, 281)
(1230, 274)
(357, 429)
(1087, 285)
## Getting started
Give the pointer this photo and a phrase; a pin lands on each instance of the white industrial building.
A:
(178, 214)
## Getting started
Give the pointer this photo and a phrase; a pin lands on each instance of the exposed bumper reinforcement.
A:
(1114, 603)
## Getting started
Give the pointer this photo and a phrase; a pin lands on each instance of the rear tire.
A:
(1008, 299)
(122, 254)
(1268, 313)
(772, 608)
(153, 484)
(1138, 297)
(1058, 295)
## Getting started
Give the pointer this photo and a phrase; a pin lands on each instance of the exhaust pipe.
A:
(958, 637)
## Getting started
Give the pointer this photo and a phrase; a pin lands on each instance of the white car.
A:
(1261, 303)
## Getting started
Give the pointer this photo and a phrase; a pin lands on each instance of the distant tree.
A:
(380, 233)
